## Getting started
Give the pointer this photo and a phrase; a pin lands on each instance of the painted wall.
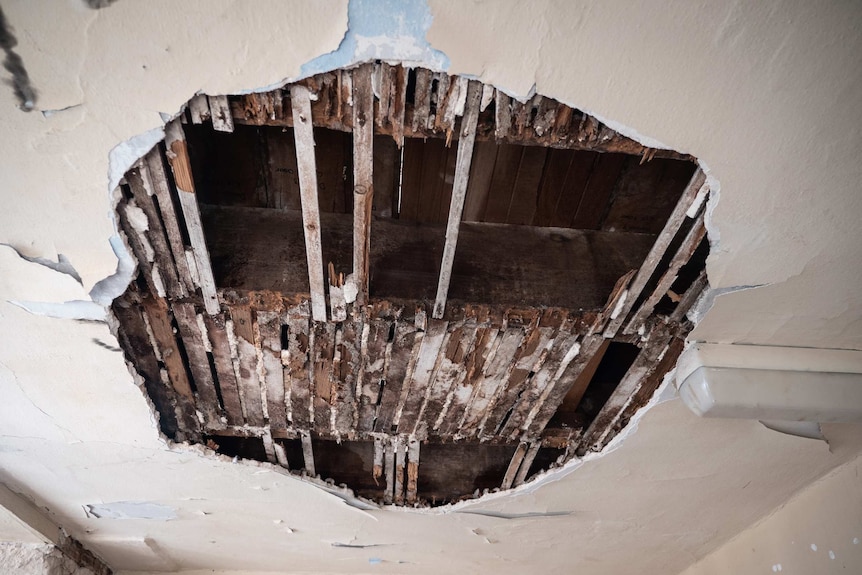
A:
(766, 94)
(818, 531)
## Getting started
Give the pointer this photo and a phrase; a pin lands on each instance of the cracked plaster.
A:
(108, 76)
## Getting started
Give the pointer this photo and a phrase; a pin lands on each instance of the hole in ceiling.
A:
(405, 282)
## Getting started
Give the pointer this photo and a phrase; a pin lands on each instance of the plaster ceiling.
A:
(780, 85)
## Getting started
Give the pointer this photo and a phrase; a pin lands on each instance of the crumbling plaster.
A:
(767, 95)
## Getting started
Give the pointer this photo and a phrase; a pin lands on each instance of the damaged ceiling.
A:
(570, 259)
(72, 417)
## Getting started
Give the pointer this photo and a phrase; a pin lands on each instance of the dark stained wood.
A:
(386, 174)
(526, 189)
(481, 172)
(199, 366)
(556, 169)
(282, 183)
(218, 337)
(520, 265)
(604, 177)
(502, 183)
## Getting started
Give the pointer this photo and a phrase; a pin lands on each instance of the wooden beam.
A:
(689, 244)
(694, 192)
(300, 102)
(178, 157)
(363, 178)
(459, 192)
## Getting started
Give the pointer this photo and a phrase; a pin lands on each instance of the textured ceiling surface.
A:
(781, 95)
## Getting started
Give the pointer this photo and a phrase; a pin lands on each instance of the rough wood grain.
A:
(345, 372)
(576, 376)
(154, 176)
(245, 362)
(497, 368)
(178, 157)
(422, 376)
(269, 328)
(643, 366)
(363, 178)
(323, 350)
(199, 366)
(220, 344)
(298, 382)
(162, 258)
(459, 191)
(464, 389)
(397, 371)
(374, 347)
(686, 249)
(301, 106)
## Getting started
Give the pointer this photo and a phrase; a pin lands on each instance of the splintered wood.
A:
(478, 304)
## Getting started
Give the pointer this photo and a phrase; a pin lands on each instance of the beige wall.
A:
(765, 93)
(817, 531)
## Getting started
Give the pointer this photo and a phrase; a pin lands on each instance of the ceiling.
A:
(763, 95)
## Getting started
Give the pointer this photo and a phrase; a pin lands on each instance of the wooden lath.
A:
(178, 157)
(692, 197)
(301, 105)
(438, 99)
(459, 191)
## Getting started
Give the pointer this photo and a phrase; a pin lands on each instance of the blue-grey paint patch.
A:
(383, 30)
(130, 510)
